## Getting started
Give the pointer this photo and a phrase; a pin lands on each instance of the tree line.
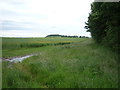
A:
(57, 35)
(104, 23)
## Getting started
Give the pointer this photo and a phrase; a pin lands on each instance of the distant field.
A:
(22, 46)
(60, 63)
(13, 43)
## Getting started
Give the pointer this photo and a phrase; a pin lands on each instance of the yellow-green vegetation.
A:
(23, 46)
(80, 64)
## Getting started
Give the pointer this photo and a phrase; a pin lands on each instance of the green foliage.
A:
(103, 23)
(82, 64)
(57, 35)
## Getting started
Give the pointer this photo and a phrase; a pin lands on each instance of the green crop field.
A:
(60, 63)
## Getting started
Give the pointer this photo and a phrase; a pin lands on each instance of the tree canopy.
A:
(104, 23)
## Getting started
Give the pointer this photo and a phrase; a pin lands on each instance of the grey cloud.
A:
(7, 12)
(12, 25)
(11, 13)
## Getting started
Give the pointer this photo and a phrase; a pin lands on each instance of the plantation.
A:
(60, 63)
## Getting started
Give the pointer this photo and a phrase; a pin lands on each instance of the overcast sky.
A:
(38, 18)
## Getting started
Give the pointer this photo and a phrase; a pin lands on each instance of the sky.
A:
(39, 18)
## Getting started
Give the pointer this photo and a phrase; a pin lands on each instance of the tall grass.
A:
(77, 65)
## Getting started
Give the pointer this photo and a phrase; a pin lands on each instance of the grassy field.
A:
(60, 63)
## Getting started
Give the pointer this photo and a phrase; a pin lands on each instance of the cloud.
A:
(45, 16)
(12, 25)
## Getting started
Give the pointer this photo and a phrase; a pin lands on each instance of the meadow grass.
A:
(82, 64)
